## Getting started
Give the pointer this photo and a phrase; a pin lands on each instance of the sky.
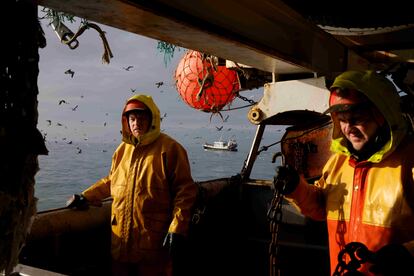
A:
(100, 90)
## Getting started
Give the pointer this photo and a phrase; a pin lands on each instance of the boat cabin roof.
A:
(289, 37)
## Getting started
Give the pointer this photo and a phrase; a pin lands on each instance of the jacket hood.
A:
(383, 94)
(154, 130)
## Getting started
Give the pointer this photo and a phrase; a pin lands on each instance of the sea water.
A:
(71, 167)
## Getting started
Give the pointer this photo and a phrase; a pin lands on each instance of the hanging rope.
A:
(107, 55)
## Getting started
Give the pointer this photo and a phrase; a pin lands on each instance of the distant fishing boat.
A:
(230, 145)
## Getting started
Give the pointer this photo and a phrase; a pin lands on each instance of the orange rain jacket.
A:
(152, 189)
(371, 201)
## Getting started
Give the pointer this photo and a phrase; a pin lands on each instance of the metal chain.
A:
(274, 216)
(351, 257)
(250, 101)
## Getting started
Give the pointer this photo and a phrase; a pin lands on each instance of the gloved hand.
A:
(286, 179)
(78, 202)
(392, 259)
(175, 243)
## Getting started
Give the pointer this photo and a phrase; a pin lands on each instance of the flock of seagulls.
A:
(71, 73)
(221, 127)
(74, 108)
(158, 84)
(133, 90)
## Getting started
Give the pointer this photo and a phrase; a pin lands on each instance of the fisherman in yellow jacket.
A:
(366, 192)
(153, 193)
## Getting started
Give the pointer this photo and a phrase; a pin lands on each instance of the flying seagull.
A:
(69, 71)
(62, 101)
(74, 108)
(128, 68)
(158, 84)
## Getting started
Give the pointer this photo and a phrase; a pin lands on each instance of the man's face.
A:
(139, 122)
(358, 127)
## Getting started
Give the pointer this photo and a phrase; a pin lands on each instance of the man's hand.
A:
(286, 179)
(392, 259)
(78, 202)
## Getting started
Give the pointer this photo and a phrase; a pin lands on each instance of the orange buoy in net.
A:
(203, 84)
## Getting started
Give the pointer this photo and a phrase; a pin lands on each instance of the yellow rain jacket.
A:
(152, 189)
(370, 201)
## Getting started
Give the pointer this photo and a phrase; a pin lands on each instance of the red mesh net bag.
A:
(204, 85)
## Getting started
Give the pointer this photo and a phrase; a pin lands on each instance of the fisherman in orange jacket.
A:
(366, 192)
(153, 193)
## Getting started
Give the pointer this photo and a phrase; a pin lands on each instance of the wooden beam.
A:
(264, 34)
